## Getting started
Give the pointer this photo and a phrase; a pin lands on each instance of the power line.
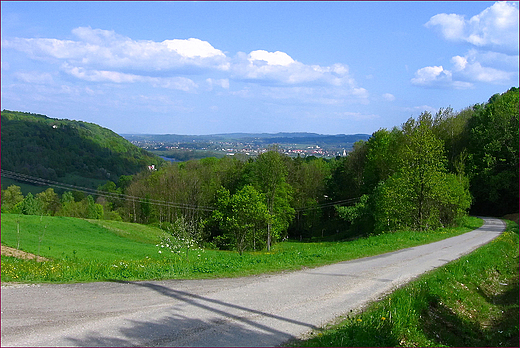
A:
(46, 182)
(329, 204)
(121, 196)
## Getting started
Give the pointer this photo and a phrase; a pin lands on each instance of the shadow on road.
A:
(236, 325)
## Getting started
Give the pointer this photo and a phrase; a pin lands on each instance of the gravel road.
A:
(265, 310)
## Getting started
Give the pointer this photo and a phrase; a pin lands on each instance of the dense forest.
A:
(428, 173)
(51, 148)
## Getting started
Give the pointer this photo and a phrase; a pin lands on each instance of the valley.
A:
(184, 147)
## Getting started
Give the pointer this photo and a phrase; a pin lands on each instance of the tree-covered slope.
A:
(51, 148)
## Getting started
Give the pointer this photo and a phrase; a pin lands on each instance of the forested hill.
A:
(52, 149)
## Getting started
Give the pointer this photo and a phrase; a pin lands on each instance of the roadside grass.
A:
(470, 302)
(95, 250)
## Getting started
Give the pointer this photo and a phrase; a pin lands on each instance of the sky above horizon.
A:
(265, 67)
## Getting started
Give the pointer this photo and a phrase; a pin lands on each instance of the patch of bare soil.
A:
(8, 251)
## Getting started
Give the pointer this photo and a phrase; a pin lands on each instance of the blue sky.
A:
(222, 67)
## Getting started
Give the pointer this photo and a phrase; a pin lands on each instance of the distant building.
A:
(152, 167)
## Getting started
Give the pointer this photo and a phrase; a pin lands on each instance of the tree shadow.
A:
(177, 330)
(443, 326)
(232, 325)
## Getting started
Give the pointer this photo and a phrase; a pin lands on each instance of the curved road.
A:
(262, 310)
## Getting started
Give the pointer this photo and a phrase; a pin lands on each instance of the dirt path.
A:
(8, 251)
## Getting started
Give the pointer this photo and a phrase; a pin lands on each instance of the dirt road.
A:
(254, 311)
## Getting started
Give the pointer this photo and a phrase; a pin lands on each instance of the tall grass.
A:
(90, 250)
(469, 302)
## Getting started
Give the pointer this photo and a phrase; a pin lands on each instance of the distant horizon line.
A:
(246, 133)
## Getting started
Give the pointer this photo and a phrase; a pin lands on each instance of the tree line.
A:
(428, 173)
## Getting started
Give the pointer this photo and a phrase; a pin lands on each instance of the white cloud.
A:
(285, 78)
(494, 31)
(389, 97)
(437, 76)
(179, 83)
(469, 68)
(224, 83)
(271, 58)
(355, 116)
(421, 109)
(104, 56)
(34, 77)
(428, 75)
(193, 48)
(496, 27)
(466, 71)
(105, 50)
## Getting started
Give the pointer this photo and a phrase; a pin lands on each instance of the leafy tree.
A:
(420, 195)
(30, 205)
(493, 149)
(243, 216)
(307, 178)
(270, 175)
(359, 215)
(49, 201)
(347, 177)
(382, 161)
(11, 197)
(93, 210)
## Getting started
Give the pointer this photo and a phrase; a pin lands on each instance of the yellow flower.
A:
(383, 318)
(360, 320)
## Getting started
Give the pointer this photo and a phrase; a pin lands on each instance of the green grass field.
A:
(93, 250)
(65, 238)
(471, 302)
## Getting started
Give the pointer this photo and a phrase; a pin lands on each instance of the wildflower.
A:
(360, 320)
(383, 318)
(160, 251)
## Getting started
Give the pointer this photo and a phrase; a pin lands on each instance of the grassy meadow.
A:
(470, 302)
(83, 250)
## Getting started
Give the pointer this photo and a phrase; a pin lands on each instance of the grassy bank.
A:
(93, 250)
(471, 302)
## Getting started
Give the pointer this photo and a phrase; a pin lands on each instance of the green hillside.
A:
(61, 150)
(59, 237)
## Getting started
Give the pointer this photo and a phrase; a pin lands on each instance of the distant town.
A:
(179, 148)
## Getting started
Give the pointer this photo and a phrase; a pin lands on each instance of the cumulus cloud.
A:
(270, 58)
(465, 71)
(494, 58)
(437, 76)
(470, 68)
(496, 27)
(278, 69)
(104, 56)
(107, 49)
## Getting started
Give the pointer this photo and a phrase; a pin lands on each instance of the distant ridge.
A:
(281, 137)
(56, 149)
